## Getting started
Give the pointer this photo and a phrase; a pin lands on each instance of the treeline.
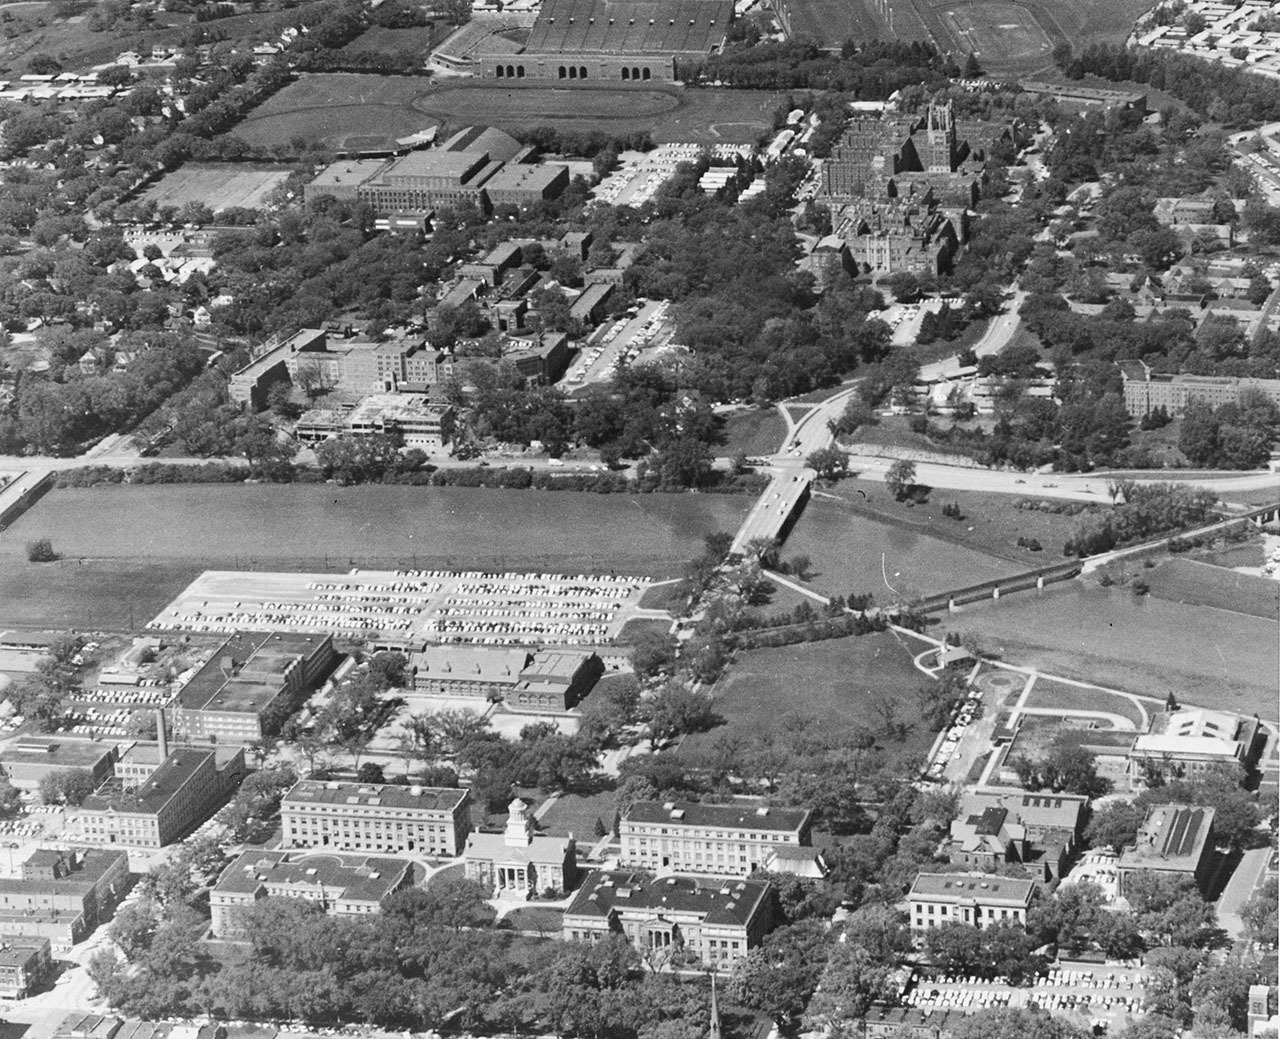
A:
(588, 144)
(432, 959)
(1148, 510)
(870, 71)
(1225, 95)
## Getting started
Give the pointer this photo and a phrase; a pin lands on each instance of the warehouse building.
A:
(376, 818)
(30, 759)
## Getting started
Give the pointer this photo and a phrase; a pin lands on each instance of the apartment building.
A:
(373, 817)
(716, 921)
(726, 839)
(64, 895)
(980, 899)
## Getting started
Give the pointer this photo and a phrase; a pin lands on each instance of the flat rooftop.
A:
(719, 816)
(349, 173)
(288, 873)
(1172, 837)
(411, 608)
(424, 798)
(732, 902)
(982, 887)
(93, 865)
(56, 752)
(247, 671)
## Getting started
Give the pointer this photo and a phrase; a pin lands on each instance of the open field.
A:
(999, 33)
(851, 551)
(990, 523)
(1203, 584)
(755, 432)
(378, 39)
(218, 186)
(833, 684)
(830, 22)
(1018, 37)
(340, 111)
(344, 110)
(1140, 644)
(1064, 697)
(115, 565)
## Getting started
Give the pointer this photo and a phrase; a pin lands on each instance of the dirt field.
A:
(349, 111)
(218, 186)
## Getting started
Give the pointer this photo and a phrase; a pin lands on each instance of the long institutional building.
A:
(250, 685)
(721, 839)
(380, 818)
(1145, 390)
(575, 41)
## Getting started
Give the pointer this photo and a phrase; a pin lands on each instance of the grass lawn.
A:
(378, 39)
(1060, 696)
(833, 684)
(115, 568)
(1145, 645)
(577, 814)
(634, 627)
(661, 596)
(990, 523)
(756, 432)
(1204, 584)
(853, 550)
(336, 108)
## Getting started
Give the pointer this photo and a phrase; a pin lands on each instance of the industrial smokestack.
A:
(162, 737)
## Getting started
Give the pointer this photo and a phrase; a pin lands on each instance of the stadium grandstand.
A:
(614, 41)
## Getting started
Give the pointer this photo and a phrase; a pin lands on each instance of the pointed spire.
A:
(714, 1031)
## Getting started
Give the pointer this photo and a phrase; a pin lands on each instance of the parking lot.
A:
(411, 607)
(622, 342)
(1097, 992)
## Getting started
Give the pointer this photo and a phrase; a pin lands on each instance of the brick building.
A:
(25, 962)
(250, 685)
(185, 789)
(376, 818)
(64, 895)
(548, 680)
(1174, 840)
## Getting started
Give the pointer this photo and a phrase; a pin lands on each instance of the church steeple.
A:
(714, 1031)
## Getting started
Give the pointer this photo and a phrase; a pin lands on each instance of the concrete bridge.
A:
(774, 512)
(20, 493)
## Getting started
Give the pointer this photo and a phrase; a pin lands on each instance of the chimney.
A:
(162, 737)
